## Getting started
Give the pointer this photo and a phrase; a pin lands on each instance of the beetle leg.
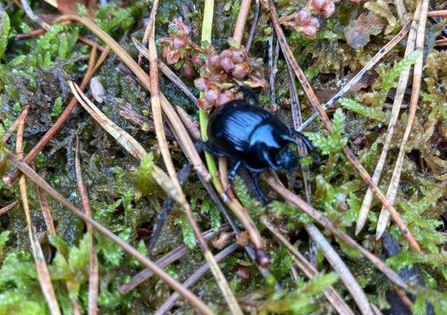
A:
(260, 193)
(212, 150)
(268, 159)
(233, 172)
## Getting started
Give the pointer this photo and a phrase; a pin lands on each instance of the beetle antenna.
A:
(304, 139)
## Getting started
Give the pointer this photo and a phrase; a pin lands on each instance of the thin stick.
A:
(440, 14)
(33, 16)
(400, 92)
(417, 78)
(192, 299)
(324, 221)
(46, 211)
(155, 102)
(41, 266)
(14, 125)
(254, 24)
(11, 177)
(163, 262)
(374, 60)
(331, 294)
(196, 276)
(400, 8)
(324, 117)
(238, 33)
(8, 208)
(93, 288)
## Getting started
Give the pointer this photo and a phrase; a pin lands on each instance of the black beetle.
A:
(253, 137)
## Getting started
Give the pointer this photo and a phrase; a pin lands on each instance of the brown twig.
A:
(41, 266)
(33, 16)
(254, 24)
(93, 288)
(11, 177)
(44, 206)
(440, 14)
(417, 78)
(8, 208)
(14, 125)
(196, 276)
(324, 117)
(331, 294)
(238, 33)
(400, 8)
(400, 92)
(194, 300)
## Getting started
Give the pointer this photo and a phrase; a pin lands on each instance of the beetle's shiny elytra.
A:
(253, 137)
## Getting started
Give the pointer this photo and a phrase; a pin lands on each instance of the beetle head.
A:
(287, 160)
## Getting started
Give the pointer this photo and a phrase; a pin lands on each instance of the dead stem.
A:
(400, 92)
(11, 177)
(324, 221)
(41, 266)
(44, 206)
(8, 208)
(417, 78)
(93, 288)
(192, 299)
(440, 14)
(238, 33)
(15, 124)
(306, 267)
(33, 16)
(163, 262)
(400, 8)
(374, 60)
(324, 117)
(254, 24)
(196, 276)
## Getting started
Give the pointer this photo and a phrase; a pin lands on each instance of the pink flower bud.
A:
(197, 60)
(226, 53)
(314, 22)
(309, 31)
(303, 17)
(213, 60)
(241, 70)
(178, 42)
(201, 84)
(188, 70)
(328, 9)
(227, 64)
(317, 5)
(239, 55)
(212, 94)
(225, 97)
(172, 57)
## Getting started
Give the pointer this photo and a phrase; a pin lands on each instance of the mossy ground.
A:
(35, 72)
